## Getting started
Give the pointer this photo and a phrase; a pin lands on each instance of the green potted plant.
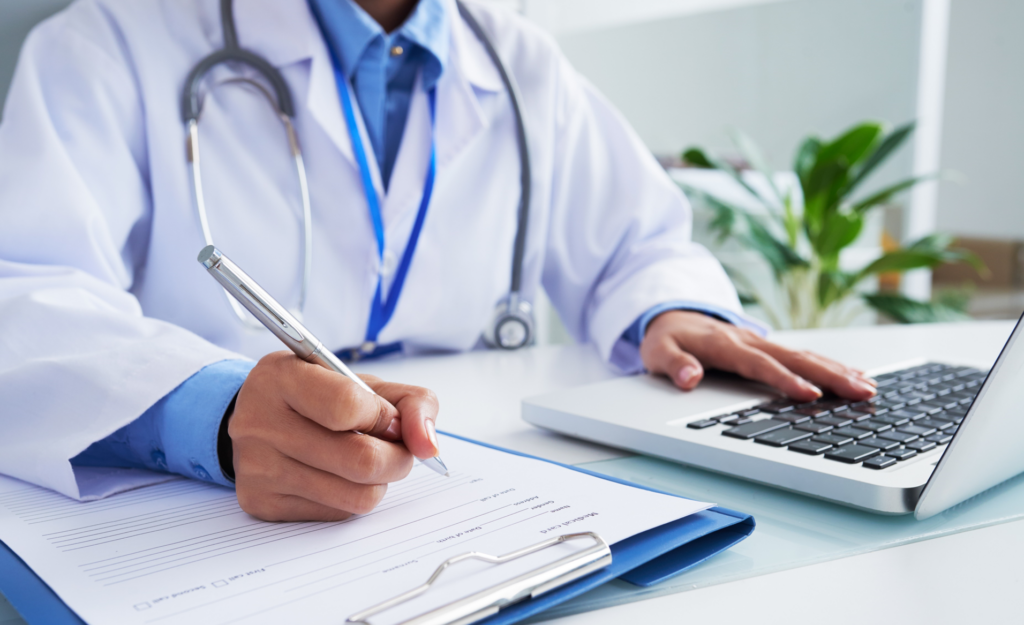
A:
(801, 238)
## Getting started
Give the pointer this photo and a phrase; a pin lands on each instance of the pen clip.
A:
(269, 312)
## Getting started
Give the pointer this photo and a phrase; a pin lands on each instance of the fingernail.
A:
(687, 374)
(812, 388)
(864, 386)
(432, 435)
(395, 429)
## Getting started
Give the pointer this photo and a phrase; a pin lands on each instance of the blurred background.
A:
(690, 73)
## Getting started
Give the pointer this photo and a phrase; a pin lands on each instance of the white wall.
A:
(983, 127)
(777, 70)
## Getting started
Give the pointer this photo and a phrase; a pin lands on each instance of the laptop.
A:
(935, 435)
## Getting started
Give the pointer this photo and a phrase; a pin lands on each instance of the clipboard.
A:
(643, 560)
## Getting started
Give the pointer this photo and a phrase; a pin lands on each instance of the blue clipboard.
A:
(643, 560)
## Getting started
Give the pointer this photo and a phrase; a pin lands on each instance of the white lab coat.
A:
(103, 307)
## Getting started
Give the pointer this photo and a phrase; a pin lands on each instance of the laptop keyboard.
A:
(915, 411)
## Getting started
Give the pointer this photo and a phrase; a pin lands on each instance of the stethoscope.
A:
(512, 325)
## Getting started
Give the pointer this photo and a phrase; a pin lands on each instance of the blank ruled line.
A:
(146, 524)
(260, 529)
(60, 502)
(187, 540)
(141, 523)
(137, 518)
(114, 540)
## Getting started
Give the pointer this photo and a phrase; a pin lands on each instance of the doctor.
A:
(119, 356)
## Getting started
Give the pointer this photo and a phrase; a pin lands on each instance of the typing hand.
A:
(680, 344)
(298, 451)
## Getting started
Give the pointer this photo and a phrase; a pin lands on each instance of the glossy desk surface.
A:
(959, 577)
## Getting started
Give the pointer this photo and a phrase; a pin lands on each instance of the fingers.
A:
(666, 357)
(330, 399)
(832, 375)
(757, 365)
(287, 490)
(418, 407)
(350, 455)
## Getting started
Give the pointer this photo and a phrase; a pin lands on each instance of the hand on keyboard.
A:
(680, 344)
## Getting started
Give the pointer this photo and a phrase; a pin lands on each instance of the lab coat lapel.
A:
(286, 32)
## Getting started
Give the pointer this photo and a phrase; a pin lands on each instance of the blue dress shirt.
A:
(179, 433)
(382, 67)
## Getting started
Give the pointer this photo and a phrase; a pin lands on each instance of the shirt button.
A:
(397, 50)
(388, 265)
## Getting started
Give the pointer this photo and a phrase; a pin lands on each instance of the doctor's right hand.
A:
(310, 445)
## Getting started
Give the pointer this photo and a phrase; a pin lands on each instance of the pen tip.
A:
(446, 474)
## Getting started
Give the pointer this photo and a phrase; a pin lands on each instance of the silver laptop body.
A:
(648, 415)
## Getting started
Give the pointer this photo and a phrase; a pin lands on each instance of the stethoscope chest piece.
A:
(512, 326)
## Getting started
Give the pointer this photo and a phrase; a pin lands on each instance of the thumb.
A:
(667, 358)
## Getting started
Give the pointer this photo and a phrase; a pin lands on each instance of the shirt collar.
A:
(349, 30)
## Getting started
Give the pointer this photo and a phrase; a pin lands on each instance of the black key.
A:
(889, 404)
(835, 421)
(792, 417)
(729, 419)
(834, 404)
(885, 380)
(750, 412)
(879, 443)
(899, 437)
(812, 411)
(918, 430)
(911, 413)
(935, 406)
(940, 439)
(779, 405)
(872, 425)
(857, 415)
(850, 432)
(833, 439)
(938, 424)
(781, 438)
(893, 419)
(748, 431)
(921, 446)
(811, 447)
(852, 454)
(918, 396)
(879, 462)
(703, 423)
(814, 427)
(941, 392)
(870, 409)
(902, 453)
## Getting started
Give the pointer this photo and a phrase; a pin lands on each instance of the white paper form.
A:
(184, 552)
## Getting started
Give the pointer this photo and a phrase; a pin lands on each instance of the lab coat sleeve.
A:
(180, 432)
(78, 359)
(634, 334)
(619, 232)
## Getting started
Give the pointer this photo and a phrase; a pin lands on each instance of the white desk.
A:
(968, 577)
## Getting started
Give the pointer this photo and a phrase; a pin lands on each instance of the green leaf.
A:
(888, 145)
(887, 193)
(752, 153)
(806, 156)
(906, 310)
(835, 159)
(749, 230)
(837, 231)
(696, 158)
(928, 251)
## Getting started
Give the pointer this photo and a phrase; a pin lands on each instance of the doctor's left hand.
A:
(310, 445)
(680, 344)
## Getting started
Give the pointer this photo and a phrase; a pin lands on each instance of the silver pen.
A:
(282, 323)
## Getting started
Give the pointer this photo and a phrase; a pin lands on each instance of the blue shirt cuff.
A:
(634, 334)
(178, 433)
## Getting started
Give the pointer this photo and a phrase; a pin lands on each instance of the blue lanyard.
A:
(383, 308)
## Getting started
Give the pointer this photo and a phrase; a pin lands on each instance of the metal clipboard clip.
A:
(489, 601)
